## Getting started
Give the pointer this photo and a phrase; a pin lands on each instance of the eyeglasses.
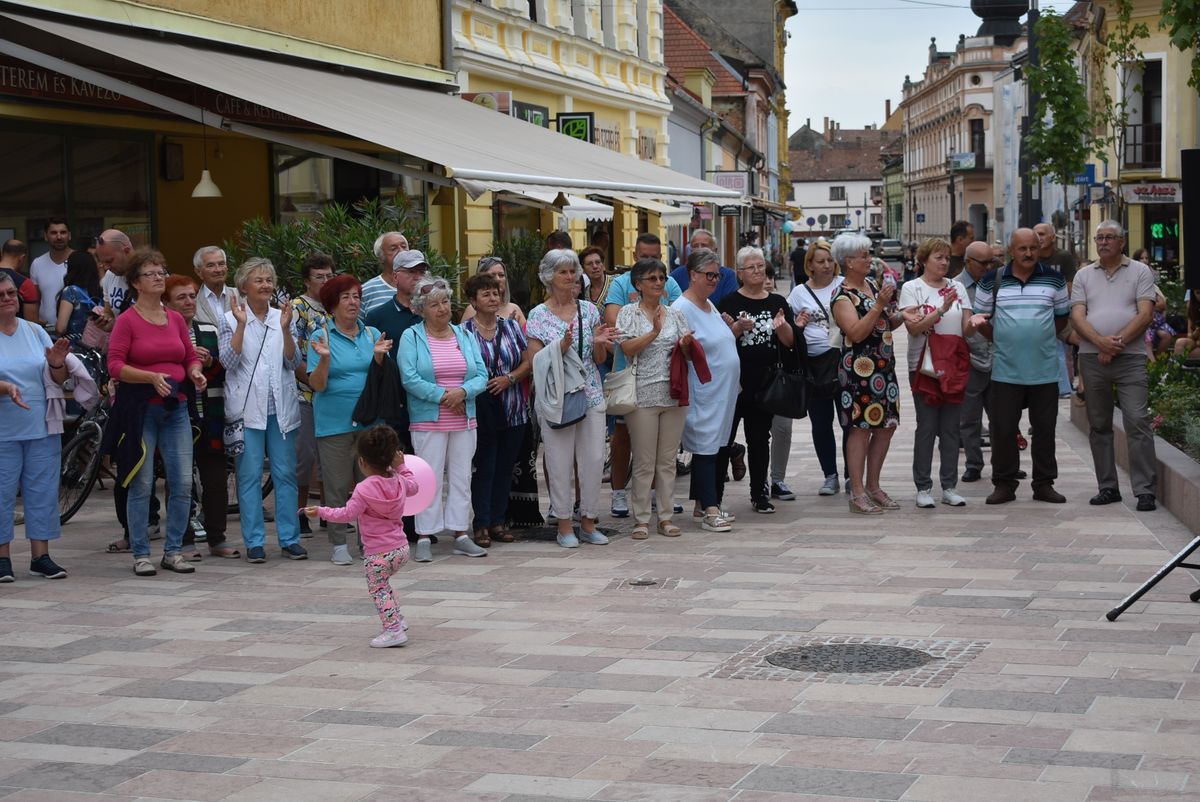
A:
(754, 268)
(153, 274)
(707, 275)
(1106, 237)
(8, 294)
(320, 276)
(488, 261)
(439, 284)
(654, 277)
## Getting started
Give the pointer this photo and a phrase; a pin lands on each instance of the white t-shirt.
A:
(114, 289)
(48, 275)
(816, 333)
(918, 293)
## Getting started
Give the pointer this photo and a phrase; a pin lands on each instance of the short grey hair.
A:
(745, 253)
(6, 278)
(205, 250)
(1113, 226)
(429, 289)
(378, 246)
(711, 236)
(847, 245)
(255, 264)
(700, 258)
(553, 260)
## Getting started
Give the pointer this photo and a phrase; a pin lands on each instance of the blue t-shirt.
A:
(726, 284)
(22, 361)
(349, 361)
(1023, 331)
(621, 292)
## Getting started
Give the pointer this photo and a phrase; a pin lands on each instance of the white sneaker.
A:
(925, 500)
(620, 504)
(341, 556)
(424, 551)
(468, 548)
(830, 488)
(387, 638)
(951, 498)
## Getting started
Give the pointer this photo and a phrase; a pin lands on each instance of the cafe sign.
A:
(1151, 192)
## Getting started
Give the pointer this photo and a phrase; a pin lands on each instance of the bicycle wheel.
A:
(232, 485)
(80, 464)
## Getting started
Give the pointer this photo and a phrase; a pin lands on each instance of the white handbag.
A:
(620, 390)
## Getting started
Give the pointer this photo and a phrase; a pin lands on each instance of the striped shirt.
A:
(449, 371)
(1023, 314)
(375, 292)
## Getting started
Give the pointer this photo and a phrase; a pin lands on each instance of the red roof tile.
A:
(684, 49)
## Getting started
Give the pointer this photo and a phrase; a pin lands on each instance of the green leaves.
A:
(1060, 140)
(1181, 20)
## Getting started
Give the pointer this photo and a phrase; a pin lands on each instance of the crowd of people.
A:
(330, 389)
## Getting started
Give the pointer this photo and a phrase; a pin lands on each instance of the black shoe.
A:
(256, 554)
(1022, 475)
(45, 567)
(1106, 496)
(1145, 504)
(781, 491)
(6, 574)
(1001, 495)
(971, 475)
(1048, 494)
(737, 461)
(295, 552)
(305, 529)
(763, 506)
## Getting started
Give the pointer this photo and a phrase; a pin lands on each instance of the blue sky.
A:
(842, 62)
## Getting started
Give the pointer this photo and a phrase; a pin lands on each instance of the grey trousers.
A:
(339, 469)
(941, 423)
(1126, 374)
(971, 412)
(781, 447)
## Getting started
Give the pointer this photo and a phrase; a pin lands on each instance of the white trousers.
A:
(450, 455)
(576, 447)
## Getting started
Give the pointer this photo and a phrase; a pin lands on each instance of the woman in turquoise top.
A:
(31, 455)
(340, 356)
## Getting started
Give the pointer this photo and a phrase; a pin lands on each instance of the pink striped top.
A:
(449, 370)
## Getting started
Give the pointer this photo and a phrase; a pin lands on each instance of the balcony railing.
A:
(1143, 146)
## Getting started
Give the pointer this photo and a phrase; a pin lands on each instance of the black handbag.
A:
(785, 390)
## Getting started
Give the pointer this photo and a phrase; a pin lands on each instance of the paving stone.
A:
(986, 602)
(1016, 700)
(265, 625)
(107, 736)
(829, 782)
(495, 740)
(1133, 688)
(81, 777)
(168, 761)
(771, 624)
(1055, 757)
(686, 644)
(839, 726)
(178, 689)
(362, 718)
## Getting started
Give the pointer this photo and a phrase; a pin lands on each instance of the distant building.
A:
(836, 175)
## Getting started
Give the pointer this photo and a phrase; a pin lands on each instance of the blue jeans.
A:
(260, 444)
(34, 466)
(170, 433)
(495, 454)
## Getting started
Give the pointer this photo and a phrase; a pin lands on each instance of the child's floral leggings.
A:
(380, 568)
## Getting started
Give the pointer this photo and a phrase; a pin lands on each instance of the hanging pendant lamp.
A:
(206, 187)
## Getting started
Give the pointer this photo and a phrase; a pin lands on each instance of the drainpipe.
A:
(448, 37)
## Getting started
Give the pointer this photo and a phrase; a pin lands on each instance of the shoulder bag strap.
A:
(579, 339)
(828, 316)
(261, 343)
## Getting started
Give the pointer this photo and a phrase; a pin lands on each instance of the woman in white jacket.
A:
(259, 356)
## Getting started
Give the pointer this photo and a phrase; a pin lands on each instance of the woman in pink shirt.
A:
(151, 354)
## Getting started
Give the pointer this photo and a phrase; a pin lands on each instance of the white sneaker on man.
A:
(951, 498)
(925, 500)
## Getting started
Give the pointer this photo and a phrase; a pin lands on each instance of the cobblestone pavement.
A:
(544, 674)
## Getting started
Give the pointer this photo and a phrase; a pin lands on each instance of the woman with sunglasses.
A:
(494, 266)
(151, 354)
(711, 405)
(443, 371)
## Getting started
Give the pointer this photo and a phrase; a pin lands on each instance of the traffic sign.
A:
(811, 221)
(920, 217)
(822, 219)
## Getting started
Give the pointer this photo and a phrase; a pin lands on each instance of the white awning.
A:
(670, 215)
(574, 208)
(469, 143)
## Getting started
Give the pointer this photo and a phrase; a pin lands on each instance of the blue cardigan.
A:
(416, 373)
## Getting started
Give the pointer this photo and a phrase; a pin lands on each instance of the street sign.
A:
(962, 161)
(848, 220)
(920, 217)
(1087, 177)
(811, 221)
(822, 219)
(731, 211)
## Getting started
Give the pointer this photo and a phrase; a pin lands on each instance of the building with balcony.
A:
(948, 138)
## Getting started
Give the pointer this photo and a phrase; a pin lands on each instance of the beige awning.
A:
(572, 207)
(472, 145)
(670, 215)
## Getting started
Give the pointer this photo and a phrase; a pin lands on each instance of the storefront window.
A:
(97, 182)
(306, 182)
(1162, 234)
(515, 220)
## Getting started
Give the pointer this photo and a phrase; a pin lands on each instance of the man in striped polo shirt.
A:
(1028, 305)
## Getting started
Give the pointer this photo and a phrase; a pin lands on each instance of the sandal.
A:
(641, 532)
(883, 500)
(668, 529)
(226, 552)
(482, 538)
(501, 534)
(193, 556)
(118, 547)
(863, 505)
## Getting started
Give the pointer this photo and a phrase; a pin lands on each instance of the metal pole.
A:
(1031, 212)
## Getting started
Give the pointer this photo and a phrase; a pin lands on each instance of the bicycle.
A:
(81, 456)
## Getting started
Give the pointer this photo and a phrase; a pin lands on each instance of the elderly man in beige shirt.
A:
(1112, 302)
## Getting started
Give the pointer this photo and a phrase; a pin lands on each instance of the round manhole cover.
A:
(849, 658)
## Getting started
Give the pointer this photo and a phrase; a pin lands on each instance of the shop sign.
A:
(704, 212)
(731, 211)
(496, 101)
(758, 216)
(737, 180)
(531, 113)
(19, 79)
(1151, 192)
(579, 125)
